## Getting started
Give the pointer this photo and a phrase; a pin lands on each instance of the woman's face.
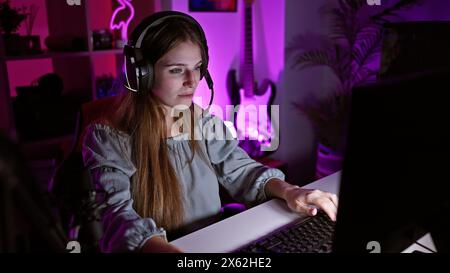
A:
(177, 74)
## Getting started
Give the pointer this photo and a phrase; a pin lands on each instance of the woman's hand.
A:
(159, 244)
(303, 200)
(307, 201)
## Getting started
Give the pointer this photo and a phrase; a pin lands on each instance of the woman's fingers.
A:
(333, 198)
(305, 208)
(326, 201)
(328, 206)
(309, 201)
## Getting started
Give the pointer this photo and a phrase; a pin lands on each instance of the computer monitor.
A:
(395, 183)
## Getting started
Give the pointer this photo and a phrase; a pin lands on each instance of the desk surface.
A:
(236, 231)
(245, 227)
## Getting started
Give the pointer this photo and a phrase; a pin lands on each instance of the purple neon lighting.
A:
(123, 25)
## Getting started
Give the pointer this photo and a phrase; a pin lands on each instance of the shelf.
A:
(47, 55)
(78, 70)
(107, 51)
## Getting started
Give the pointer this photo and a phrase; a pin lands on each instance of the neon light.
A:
(123, 25)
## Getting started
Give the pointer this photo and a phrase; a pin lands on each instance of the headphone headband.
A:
(158, 18)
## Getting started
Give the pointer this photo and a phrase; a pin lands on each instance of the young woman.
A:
(159, 180)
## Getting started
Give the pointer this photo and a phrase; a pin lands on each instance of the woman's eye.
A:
(198, 68)
(176, 70)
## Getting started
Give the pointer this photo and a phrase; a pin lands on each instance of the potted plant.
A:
(32, 42)
(350, 51)
(10, 21)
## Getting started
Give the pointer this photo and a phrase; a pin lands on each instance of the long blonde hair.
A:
(155, 188)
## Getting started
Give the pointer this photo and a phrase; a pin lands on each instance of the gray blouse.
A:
(107, 153)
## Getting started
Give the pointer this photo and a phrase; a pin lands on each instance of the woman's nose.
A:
(190, 79)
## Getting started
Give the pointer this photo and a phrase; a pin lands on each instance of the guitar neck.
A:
(247, 74)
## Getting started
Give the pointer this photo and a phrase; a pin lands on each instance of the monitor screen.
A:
(395, 182)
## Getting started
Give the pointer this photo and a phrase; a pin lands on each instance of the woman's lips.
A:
(186, 95)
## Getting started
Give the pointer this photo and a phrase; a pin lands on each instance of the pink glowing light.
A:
(117, 23)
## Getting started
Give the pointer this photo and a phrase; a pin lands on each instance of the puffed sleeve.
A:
(243, 177)
(106, 152)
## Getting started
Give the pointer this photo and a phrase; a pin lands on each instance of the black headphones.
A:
(139, 71)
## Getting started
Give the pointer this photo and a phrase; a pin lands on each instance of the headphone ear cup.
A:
(139, 74)
(131, 75)
(146, 77)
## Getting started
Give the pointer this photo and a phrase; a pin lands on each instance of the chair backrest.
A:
(73, 162)
(89, 112)
(67, 185)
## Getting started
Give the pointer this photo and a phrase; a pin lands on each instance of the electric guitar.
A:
(252, 118)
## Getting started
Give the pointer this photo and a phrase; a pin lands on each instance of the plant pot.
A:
(31, 44)
(15, 45)
(328, 161)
